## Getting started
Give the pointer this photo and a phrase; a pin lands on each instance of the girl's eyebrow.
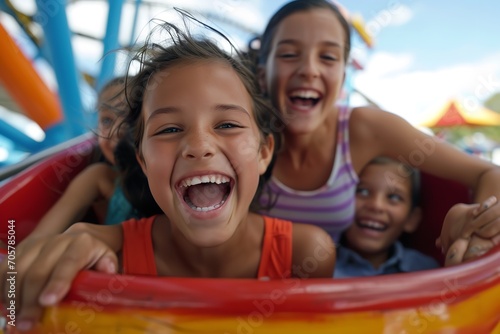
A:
(293, 41)
(226, 107)
(165, 110)
(219, 107)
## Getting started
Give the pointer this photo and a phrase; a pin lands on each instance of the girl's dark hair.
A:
(133, 181)
(295, 7)
(181, 47)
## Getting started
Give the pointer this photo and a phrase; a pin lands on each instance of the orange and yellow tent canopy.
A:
(453, 113)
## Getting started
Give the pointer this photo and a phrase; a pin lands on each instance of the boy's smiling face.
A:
(201, 149)
(383, 209)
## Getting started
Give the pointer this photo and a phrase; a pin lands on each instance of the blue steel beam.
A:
(110, 42)
(19, 138)
(134, 23)
(51, 15)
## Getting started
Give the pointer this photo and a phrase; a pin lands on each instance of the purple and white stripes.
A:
(330, 207)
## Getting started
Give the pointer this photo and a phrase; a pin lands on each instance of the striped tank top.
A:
(331, 206)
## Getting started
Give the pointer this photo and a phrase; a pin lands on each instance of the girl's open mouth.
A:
(205, 193)
(304, 98)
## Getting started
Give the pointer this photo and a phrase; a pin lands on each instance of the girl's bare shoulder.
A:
(313, 252)
(369, 115)
(374, 124)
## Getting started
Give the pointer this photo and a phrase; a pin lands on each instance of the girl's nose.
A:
(198, 145)
(309, 67)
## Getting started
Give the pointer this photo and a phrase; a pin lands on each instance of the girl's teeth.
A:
(218, 179)
(205, 209)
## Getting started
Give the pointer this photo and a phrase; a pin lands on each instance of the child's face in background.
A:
(383, 209)
(304, 72)
(108, 120)
(201, 149)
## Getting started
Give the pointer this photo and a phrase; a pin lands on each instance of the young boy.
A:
(386, 206)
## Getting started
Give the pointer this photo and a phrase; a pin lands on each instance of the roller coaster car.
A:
(460, 299)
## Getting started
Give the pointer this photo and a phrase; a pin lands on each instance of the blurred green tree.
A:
(493, 102)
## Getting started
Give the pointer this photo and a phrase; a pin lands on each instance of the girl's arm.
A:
(95, 181)
(47, 265)
(376, 132)
(313, 252)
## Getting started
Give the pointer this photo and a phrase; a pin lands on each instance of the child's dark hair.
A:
(407, 171)
(182, 47)
(133, 181)
(295, 7)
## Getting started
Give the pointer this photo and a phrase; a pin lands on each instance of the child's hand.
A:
(456, 218)
(487, 220)
(461, 222)
(46, 266)
(477, 247)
